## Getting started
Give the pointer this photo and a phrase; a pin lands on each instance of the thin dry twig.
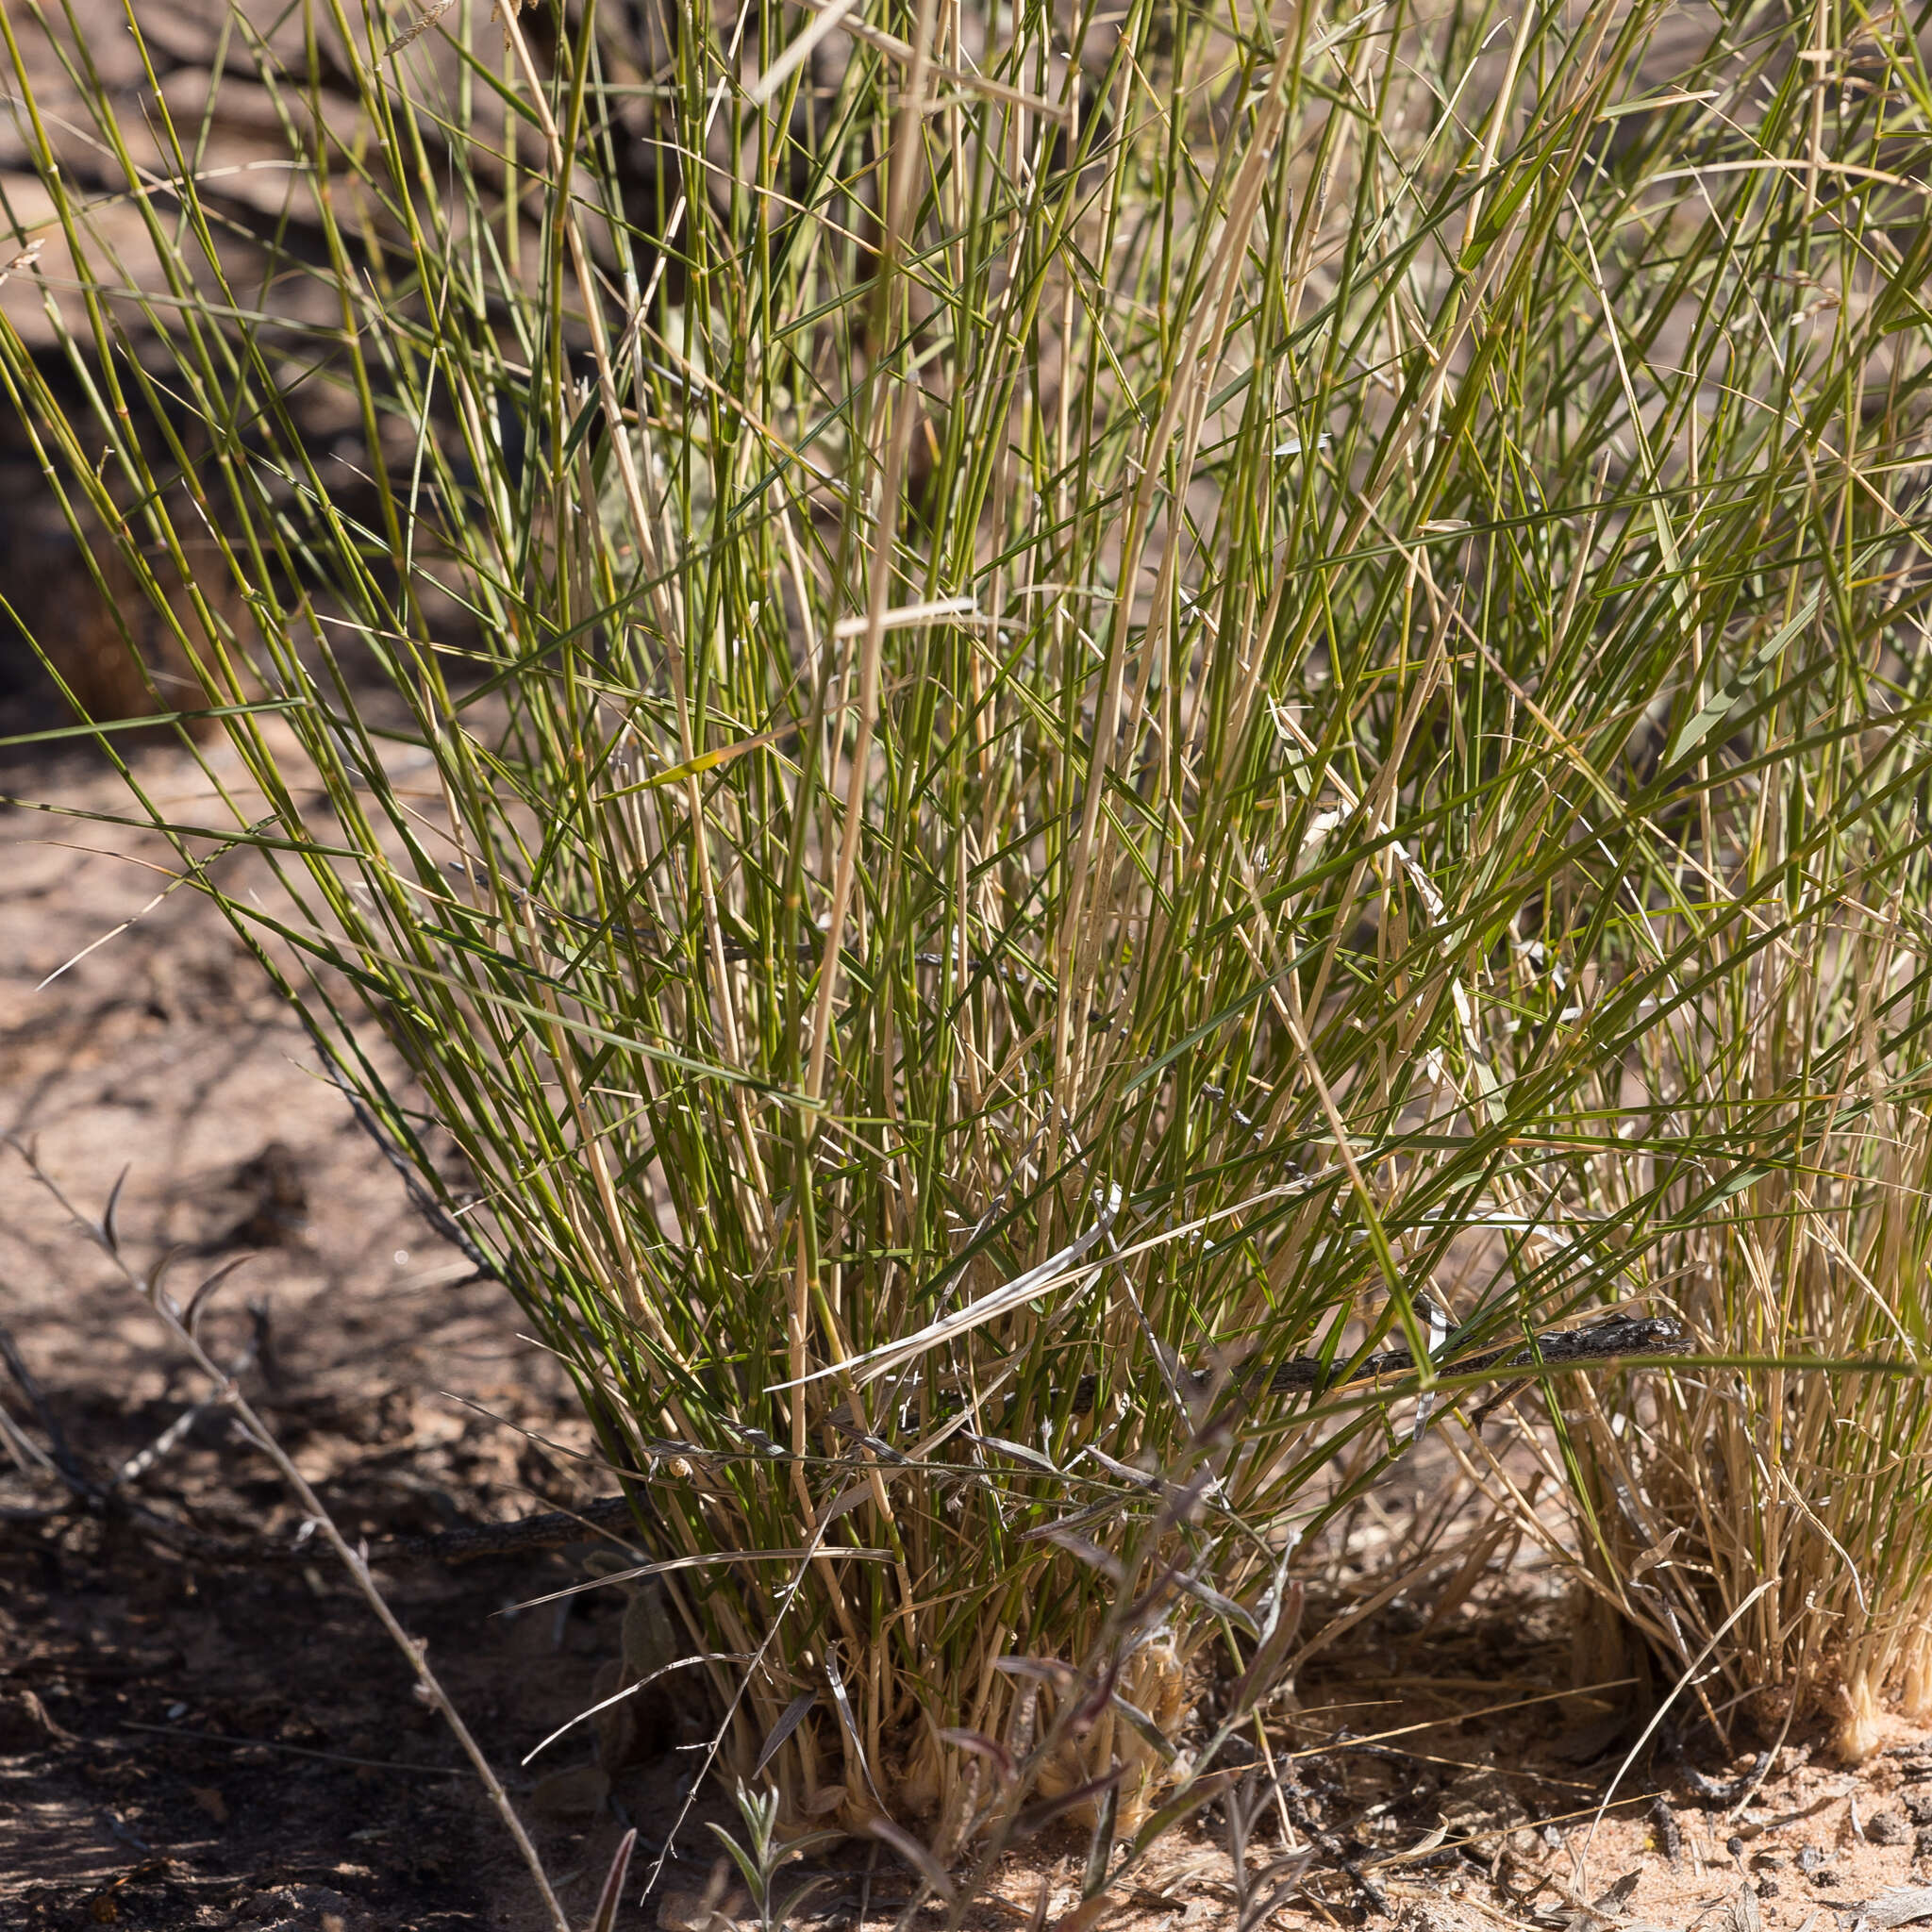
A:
(106, 1237)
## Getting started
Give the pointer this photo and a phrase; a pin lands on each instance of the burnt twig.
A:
(1669, 1837)
(1296, 1803)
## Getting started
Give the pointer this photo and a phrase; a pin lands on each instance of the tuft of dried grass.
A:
(1769, 1504)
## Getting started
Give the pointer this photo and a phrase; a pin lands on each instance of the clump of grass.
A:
(1010, 716)
(1756, 1121)
(1762, 1521)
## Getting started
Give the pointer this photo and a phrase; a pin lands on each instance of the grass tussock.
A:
(1764, 1514)
(1013, 712)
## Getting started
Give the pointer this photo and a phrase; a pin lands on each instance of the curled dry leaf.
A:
(1905, 1904)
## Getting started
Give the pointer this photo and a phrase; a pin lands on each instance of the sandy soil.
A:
(190, 1740)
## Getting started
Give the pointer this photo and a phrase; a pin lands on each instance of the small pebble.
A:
(1767, 1887)
(1888, 1828)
